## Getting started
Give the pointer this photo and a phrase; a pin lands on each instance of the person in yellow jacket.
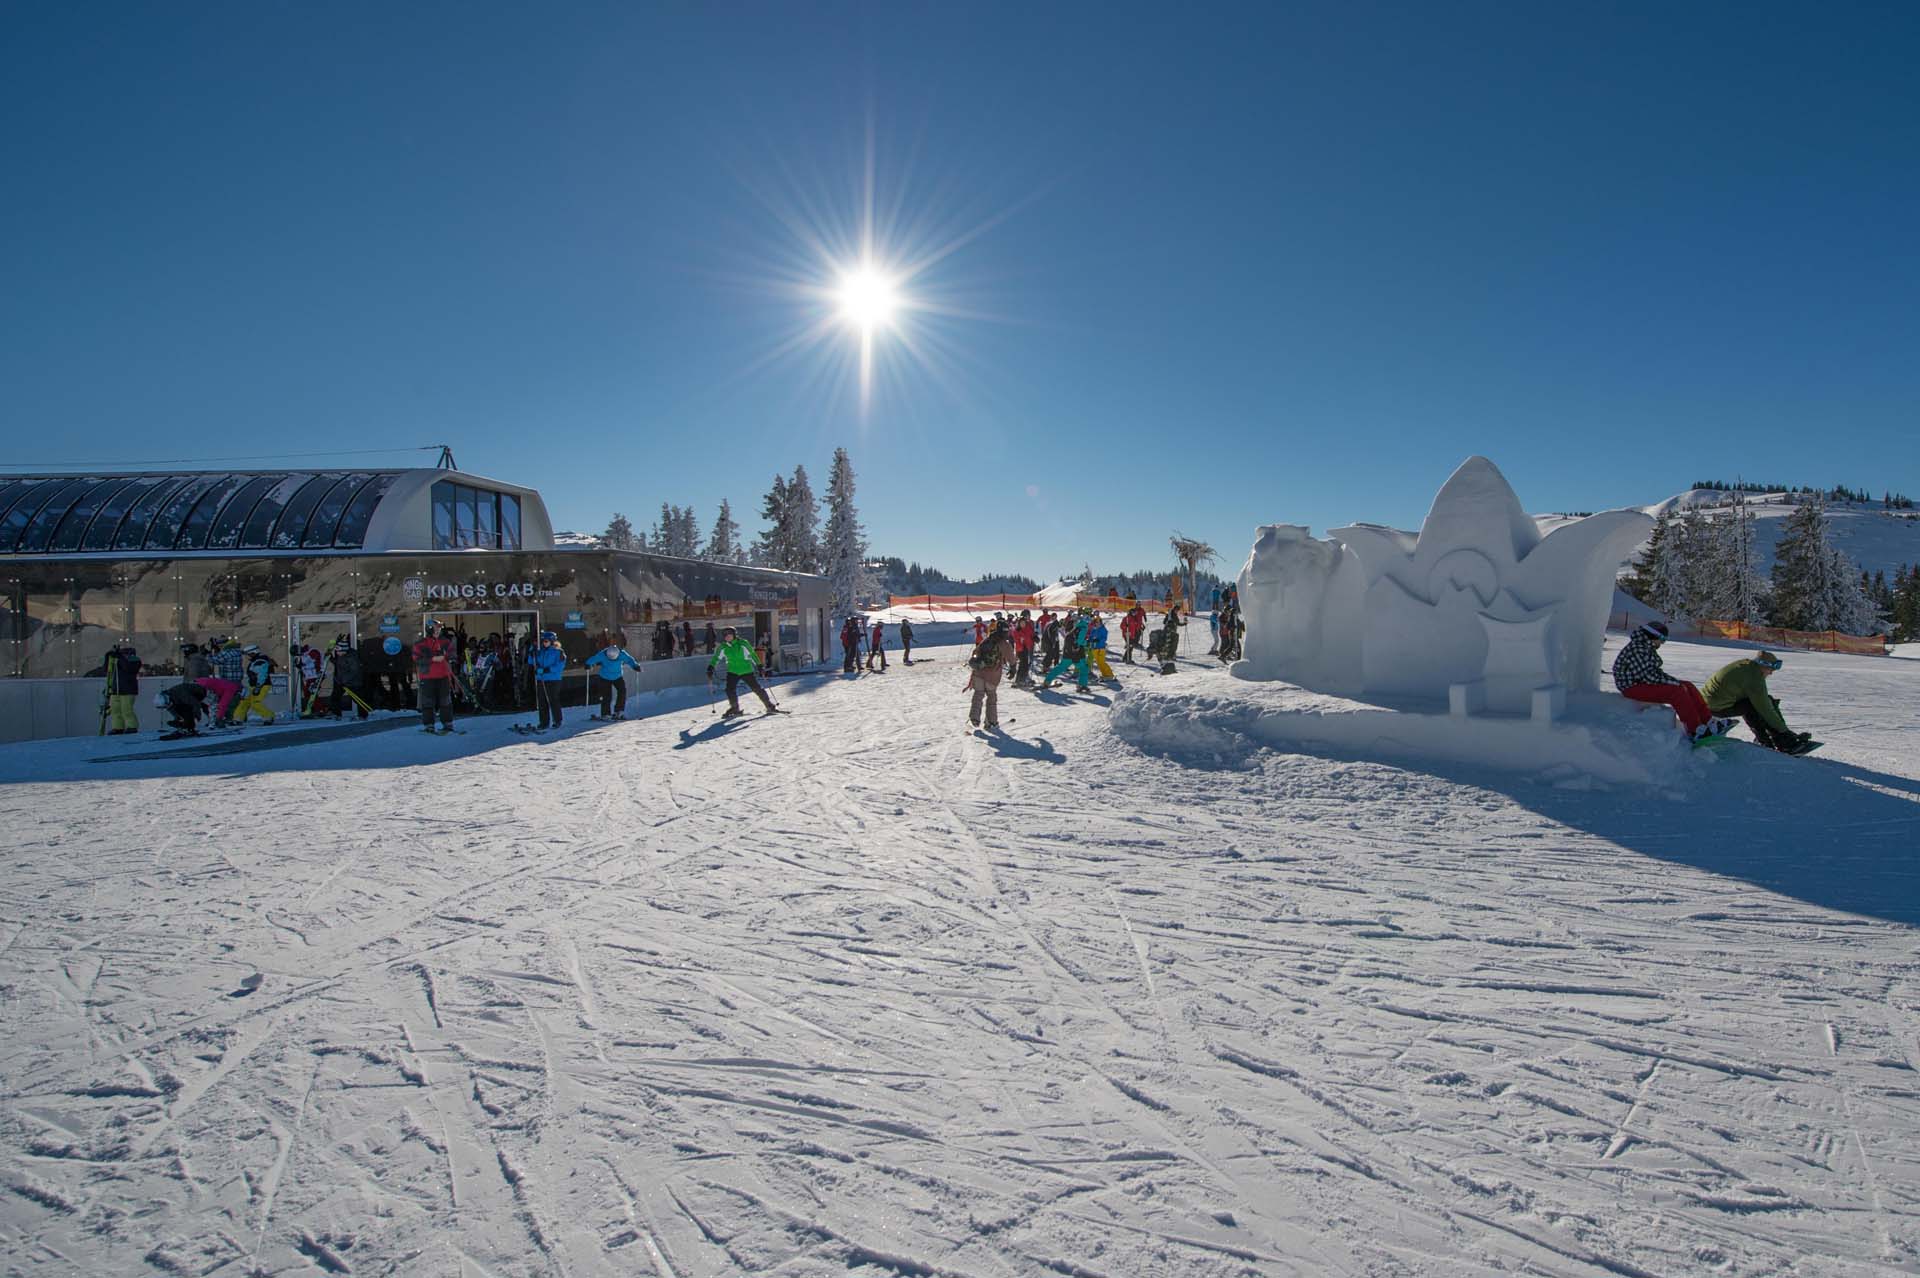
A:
(259, 685)
(1097, 646)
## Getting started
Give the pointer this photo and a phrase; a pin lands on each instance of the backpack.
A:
(986, 654)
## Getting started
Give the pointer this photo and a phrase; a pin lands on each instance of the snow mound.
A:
(1603, 740)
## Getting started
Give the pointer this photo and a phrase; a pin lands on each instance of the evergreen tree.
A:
(1815, 585)
(663, 533)
(619, 534)
(723, 543)
(802, 524)
(845, 548)
(1639, 581)
(771, 549)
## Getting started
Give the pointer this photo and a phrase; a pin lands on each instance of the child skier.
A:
(257, 677)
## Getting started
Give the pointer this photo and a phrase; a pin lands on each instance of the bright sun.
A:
(868, 299)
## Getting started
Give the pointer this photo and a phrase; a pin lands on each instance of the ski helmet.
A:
(546, 635)
(1656, 630)
(250, 649)
(1766, 660)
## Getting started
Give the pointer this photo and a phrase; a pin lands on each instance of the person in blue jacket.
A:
(609, 684)
(548, 663)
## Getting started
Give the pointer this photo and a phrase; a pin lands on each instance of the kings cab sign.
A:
(418, 591)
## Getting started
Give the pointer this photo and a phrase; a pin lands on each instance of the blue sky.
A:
(1200, 267)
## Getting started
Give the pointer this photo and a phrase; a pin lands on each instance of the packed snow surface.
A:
(1156, 984)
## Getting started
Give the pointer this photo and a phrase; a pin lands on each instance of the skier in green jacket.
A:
(738, 655)
(1740, 688)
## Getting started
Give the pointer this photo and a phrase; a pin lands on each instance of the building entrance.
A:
(320, 630)
(491, 647)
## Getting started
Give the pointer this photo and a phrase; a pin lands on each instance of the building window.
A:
(465, 518)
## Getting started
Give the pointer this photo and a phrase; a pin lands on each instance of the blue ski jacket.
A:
(607, 662)
(548, 663)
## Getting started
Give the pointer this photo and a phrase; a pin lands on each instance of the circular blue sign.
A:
(391, 645)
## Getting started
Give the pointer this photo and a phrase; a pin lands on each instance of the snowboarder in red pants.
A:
(1640, 676)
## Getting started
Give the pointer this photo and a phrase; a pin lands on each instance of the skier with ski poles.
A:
(906, 642)
(876, 647)
(738, 656)
(609, 683)
(549, 667)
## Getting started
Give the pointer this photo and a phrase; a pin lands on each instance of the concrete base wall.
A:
(32, 709)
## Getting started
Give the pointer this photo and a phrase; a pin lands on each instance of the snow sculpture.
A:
(1478, 608)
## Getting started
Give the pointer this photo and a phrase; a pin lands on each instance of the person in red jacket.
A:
(1131, 627)
(1023, 639)
(433, 665)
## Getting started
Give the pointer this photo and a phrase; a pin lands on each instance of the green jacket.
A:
(738, 655)
(1742, 680)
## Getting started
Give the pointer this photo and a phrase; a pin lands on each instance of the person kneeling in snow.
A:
(1640, 676)
(1740, 688)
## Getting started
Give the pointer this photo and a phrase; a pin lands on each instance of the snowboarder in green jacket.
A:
(738, 655)
(1740, 688)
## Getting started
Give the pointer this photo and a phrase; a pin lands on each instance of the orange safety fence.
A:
(1810, 640)
(1003, 603)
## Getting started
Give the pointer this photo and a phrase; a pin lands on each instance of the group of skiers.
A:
(229, 683)
(1070, 644)
(856, 633)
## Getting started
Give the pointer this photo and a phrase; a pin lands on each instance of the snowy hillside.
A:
(1873, 537)
(1139, 990)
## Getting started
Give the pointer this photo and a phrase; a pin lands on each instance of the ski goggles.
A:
(1768, 660)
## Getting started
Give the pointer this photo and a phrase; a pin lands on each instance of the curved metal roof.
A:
(202, 510)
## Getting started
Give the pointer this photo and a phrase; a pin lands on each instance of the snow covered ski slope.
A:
(851, 992)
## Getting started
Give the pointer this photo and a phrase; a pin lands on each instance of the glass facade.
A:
(242, 510)
(468, 518)
(58, 617)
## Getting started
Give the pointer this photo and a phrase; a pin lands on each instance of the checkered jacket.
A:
(1639, 662)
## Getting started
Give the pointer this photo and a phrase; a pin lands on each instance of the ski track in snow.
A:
(853, 993)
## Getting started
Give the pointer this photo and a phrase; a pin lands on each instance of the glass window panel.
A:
(353, 523)
(132, 533)
(257, 533)
(165, 529)
(469, 515)
(326, 516)
(26, 501)
(40, 530)
(488, 536)
(292, 523)
(156, 624)
(193, 533)
(443, 515)
(509, 522)
(13, 626)
(46, 622)
(13, 492)
(224, 533)
(97, 618)
(99, 534)
(74, 525)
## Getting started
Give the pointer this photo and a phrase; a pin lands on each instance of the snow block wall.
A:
(1477, 597)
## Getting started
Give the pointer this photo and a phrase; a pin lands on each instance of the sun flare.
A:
(868, 298)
